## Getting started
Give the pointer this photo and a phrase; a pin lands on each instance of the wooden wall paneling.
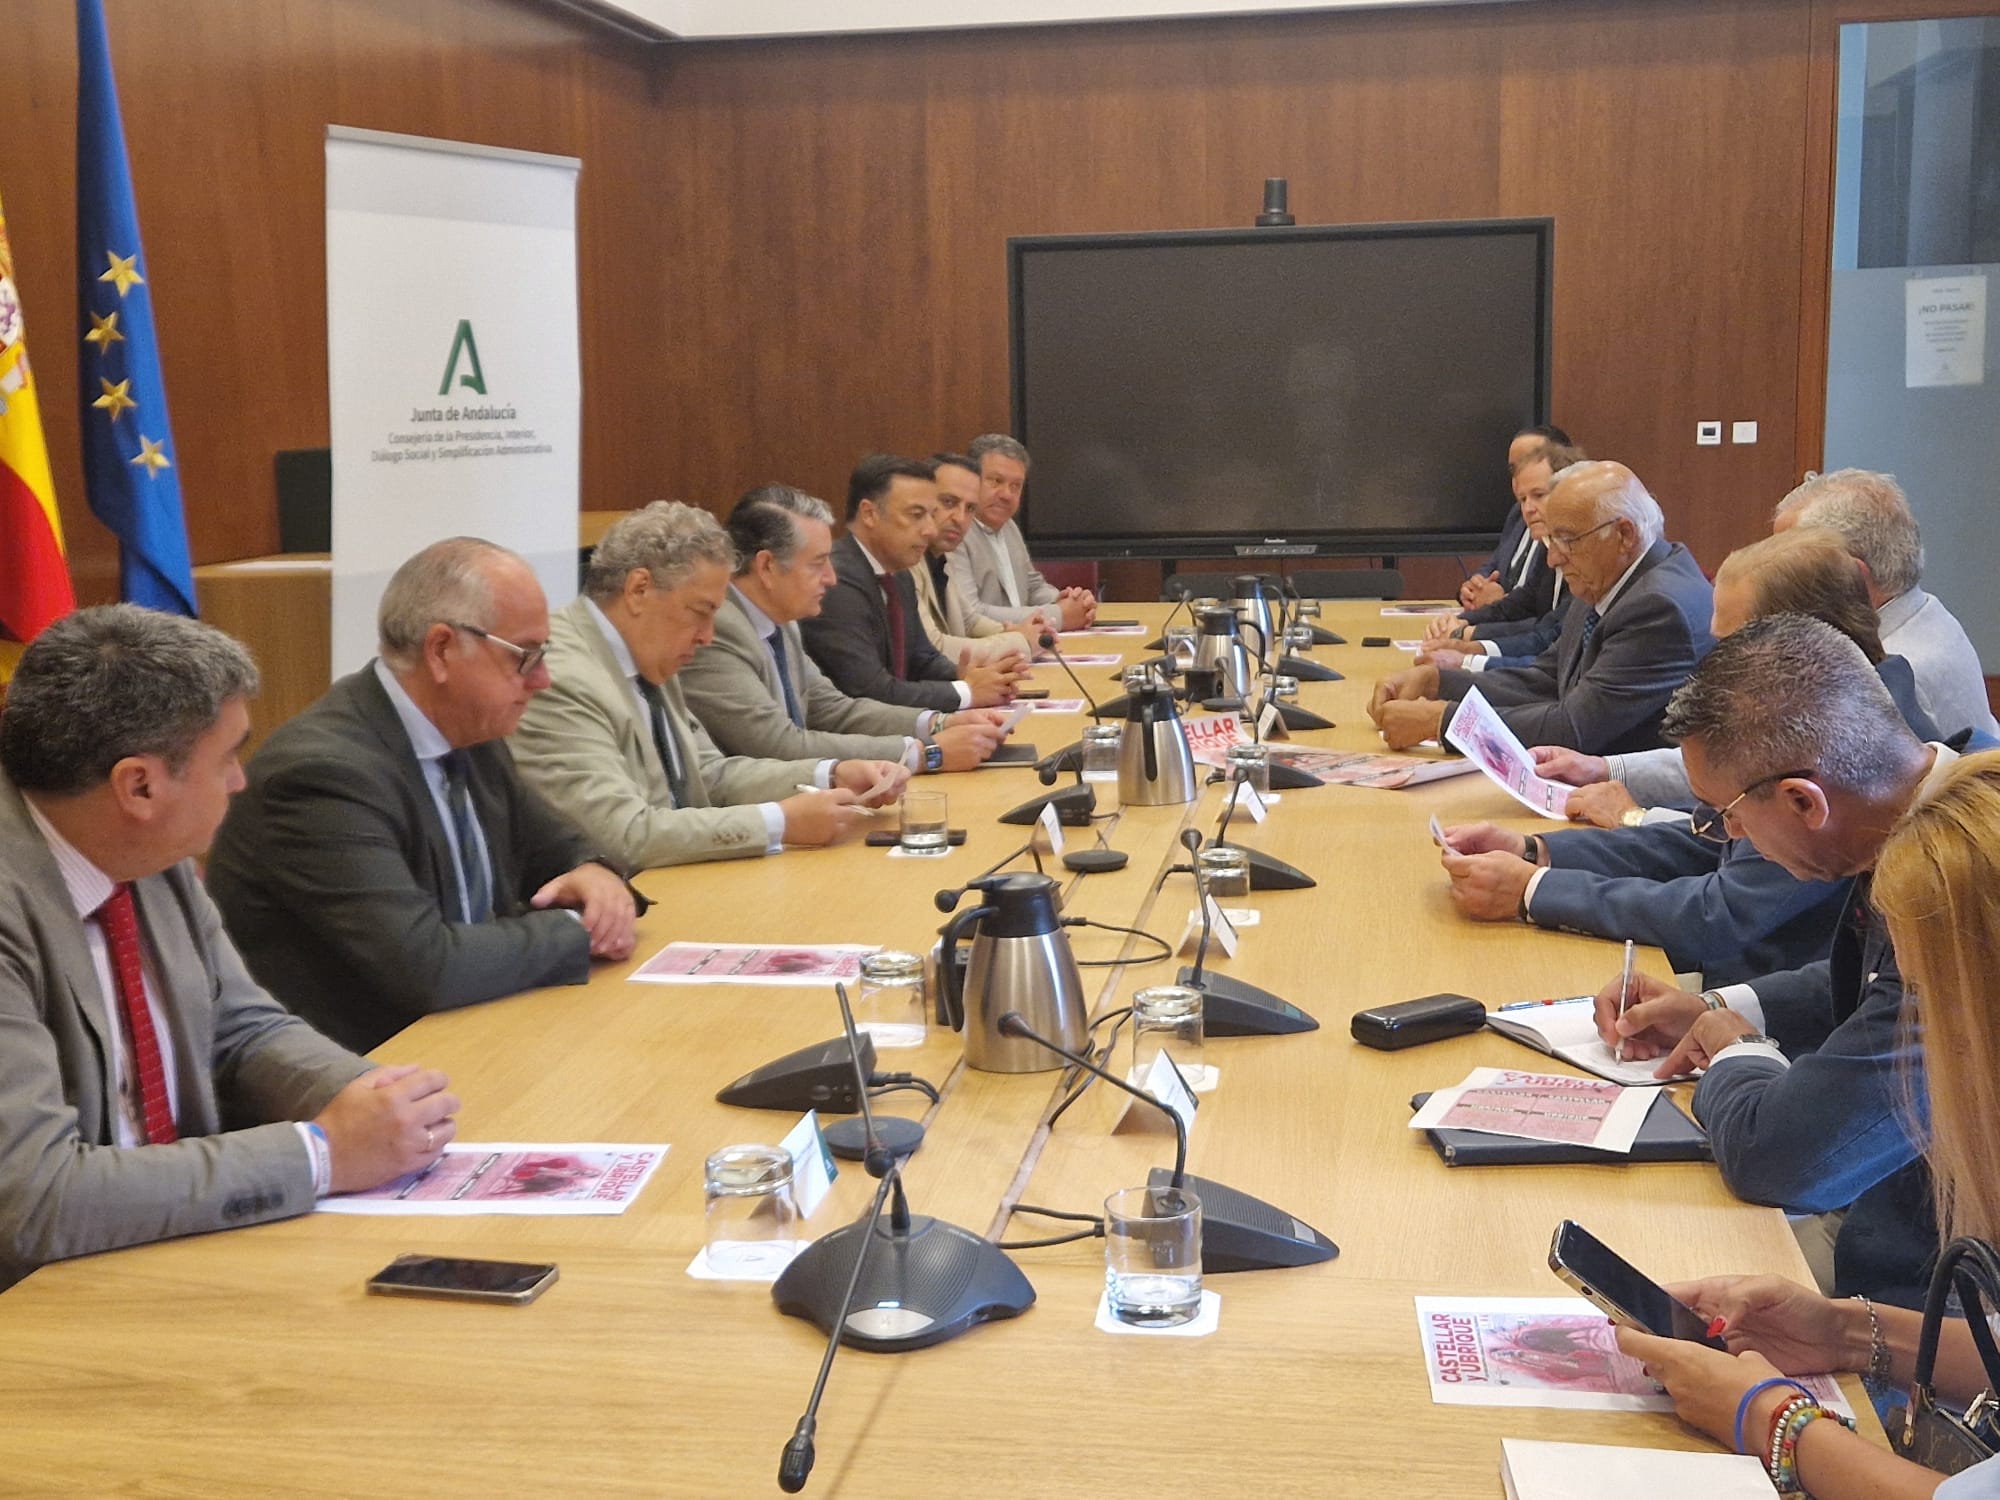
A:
(225, 109)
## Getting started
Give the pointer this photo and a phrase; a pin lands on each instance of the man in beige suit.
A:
(953, 617)
(612, 744)
(148, 1087)
(1002, 577)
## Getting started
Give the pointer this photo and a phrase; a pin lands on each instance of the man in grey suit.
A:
(757, 692)
(953, 616)
(1002, 577)
(1638, 629)
(612, 742)
(867, 637)
(148, 1087)
(386, 861)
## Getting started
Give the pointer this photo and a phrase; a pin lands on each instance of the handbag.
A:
(1921, 1430)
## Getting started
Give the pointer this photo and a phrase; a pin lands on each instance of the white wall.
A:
(696, 20)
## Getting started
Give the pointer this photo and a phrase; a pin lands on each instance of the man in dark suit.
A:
(1508, 565)
(385, 860)
(148, 1087)
(868, 637)
(1526, 620)
(1639, 627)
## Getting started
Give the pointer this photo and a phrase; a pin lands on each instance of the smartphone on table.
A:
(1595, 1271)
(514, 1282)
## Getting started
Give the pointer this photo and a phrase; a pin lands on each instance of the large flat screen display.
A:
(1272, 392)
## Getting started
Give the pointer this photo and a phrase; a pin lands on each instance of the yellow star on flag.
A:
(117, 399)
(104, 332)
(150, 457)
(123, 273)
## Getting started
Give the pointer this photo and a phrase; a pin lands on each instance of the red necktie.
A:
(892, 597)
(121, 933)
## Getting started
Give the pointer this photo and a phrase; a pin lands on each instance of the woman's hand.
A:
(1708, 1385)
(1794, 1327)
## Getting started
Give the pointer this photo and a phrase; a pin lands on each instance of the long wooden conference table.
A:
(252, 1363)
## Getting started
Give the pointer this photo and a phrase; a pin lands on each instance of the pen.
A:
(1624, 997)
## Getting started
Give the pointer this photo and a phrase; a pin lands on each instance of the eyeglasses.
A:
(1557, 539)
(1712, 823)
(526, 658)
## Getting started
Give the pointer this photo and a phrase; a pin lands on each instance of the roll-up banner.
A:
(452, 366)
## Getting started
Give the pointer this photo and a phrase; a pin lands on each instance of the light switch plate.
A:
(1708, 434)
(1742, 432)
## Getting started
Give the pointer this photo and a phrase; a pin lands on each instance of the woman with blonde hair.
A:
(1937, 887)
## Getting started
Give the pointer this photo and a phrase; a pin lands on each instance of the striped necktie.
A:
(776, 641)
(149, 1075)
(663, 737)
(474, 880)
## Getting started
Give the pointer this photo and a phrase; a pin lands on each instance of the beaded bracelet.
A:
(1743, 1406)
(1784, 1460)
(1774, 1445)
(1876, 1376)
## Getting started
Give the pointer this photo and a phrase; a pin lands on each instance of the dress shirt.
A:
(772, 814)
(1002, 564)
(431, 747)
(1742, 998)
(959, 685)
(767, 630)
(1490, 649)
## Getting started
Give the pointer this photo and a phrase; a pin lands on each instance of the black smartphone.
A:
(888, 838)
(1031, 693)
(1596, 1272)
(1114, 624)
(1375, 640)
(510, 1281)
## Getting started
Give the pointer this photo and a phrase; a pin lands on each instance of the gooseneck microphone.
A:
(1048, 643)
(1231, 1007)
(1267, 873)
(1238, 1232)
(1012, 1024)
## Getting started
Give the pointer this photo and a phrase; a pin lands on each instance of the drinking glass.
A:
(1251, 764)
(1152, 1256)
(1225, 871)
(752, 1216)
(1180, 643)
(1100, 764)
(1167, 1018)
(890, 1005)
(926, 827)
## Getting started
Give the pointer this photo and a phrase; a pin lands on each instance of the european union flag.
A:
(128, 450)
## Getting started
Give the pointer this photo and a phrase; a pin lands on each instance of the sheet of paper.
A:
(1591, 1471)
(1209, 737)
(754, 963)
(1016, 712)
(1093, 658)
(1371, 768)
(1540, 1107)
(1541, 1351)
(1945, 331)
(506, 1177)
(1090, 630)
(1489, 744)
(1057, 706)
(1425, 607)
(1437, 831)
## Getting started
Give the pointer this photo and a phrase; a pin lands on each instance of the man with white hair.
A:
(612, 742)
(1639, 627)
(1871, 514)
(385, 860)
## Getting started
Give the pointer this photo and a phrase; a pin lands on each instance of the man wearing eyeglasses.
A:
(385, 860)
(1639, 626)
(1790, 735)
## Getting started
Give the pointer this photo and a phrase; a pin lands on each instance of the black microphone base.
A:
(1069, 758)
(1096, 861)
(927, 1284)
(848, 1139)
(1294, 717)
(1324, 637)
(1242, 1233)
(1229, 1007)
(1287, 778)
(819, 1077)
(1268, 874)
(1223, 705)
(1307, 671)
(1073, 804)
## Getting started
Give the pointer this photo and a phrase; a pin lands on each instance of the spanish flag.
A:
(34, 573)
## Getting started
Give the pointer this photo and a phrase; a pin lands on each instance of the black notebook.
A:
(1667, 1135)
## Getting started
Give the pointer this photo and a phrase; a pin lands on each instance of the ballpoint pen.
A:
(1624, 997)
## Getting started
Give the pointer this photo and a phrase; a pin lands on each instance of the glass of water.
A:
(1251, 764)
(926, 827)
(1180, 644)
(1100, 764)
(1225, 871)
(1152, 1256)
(890, 1007)
(1167, 1018)
(1298, 638)
(753, 1221)
(1308, 609)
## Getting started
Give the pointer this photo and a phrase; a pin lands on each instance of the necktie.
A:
(663, 740)
(776, 641)
(121, 934)
(473, 878)
(1590, 618)
(892, 600)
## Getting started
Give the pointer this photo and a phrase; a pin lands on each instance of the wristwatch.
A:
(1632, 817)
(934, 757)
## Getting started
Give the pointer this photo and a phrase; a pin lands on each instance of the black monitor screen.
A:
(1345, 388)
